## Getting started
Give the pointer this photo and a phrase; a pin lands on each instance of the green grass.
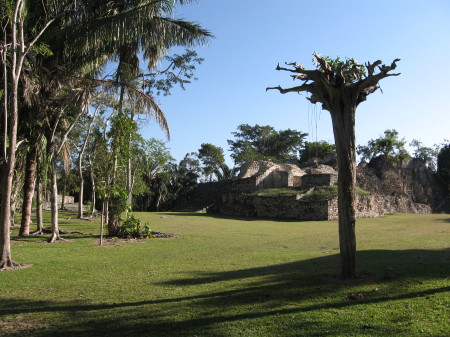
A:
(275, 192)
(230, 277)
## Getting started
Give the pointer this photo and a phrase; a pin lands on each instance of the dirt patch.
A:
(20, 326)
(160, 235)
(117, 242)
(155, 235)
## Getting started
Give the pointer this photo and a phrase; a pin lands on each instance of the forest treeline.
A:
(66, 62)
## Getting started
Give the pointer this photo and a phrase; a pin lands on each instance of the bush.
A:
(132, 228)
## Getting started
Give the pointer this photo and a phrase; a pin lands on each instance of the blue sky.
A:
(253, 36)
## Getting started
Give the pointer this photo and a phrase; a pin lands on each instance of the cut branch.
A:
(304, 87)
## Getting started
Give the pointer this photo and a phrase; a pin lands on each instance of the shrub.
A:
(132, 228)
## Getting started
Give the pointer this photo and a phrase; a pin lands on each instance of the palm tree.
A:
(34, 30)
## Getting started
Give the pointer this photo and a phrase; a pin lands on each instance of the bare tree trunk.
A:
(28, 191)
(54, 202)
(344, 135)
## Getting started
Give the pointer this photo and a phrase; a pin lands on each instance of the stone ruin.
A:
(266, 175)
(408, 189)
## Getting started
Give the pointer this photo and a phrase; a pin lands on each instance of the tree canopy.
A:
(265, 143)
(388, 145)
(316, 150)
(443, 164)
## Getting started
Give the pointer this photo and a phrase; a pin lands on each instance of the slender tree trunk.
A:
(113, 217)
(8, 174)
(344, 135)
(64, 191)
(28, 191)
(80, 169)
(81, 182)
(54, 202)
(10, 161)
(12, 218)
(129, 182)
(5, 239)
(93, 187)
(102, 223)
(39, 208)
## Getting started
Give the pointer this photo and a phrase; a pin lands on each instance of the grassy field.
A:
(232, 277)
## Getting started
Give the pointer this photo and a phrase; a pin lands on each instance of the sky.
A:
(253, 36)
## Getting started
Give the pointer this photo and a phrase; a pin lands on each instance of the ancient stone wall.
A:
(367, 206)
(289, 207)
(246, 205)
(312, 180)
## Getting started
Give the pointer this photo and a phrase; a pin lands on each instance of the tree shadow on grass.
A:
(253, 296)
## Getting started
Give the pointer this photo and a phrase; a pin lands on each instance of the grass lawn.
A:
(232, 277)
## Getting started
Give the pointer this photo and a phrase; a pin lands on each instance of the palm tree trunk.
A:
(28, 191)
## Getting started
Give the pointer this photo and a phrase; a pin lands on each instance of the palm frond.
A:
(144, 103)
(150, 107)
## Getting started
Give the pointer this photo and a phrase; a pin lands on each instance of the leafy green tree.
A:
(213, 161)
(427, 154)
(340, 86)
(212, 158)
(389, 145)
(152, 166)
(443, 164)
(265, 143)
(184, 176)
(316, 150)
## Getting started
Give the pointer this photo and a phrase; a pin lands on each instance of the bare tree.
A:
(340, 86)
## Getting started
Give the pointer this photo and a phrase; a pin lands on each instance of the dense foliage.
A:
(316, 150)
(443, 164)
(265, 143)
(388, 145)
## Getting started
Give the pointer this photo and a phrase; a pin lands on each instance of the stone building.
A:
(409, 189)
